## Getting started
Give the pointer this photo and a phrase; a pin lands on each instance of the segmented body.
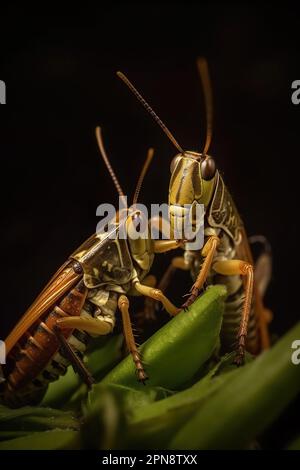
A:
(235, 294)
(38, 359)
(222, 219)
(105, 269)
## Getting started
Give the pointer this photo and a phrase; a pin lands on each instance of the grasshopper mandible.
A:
(80, 301)
(226, 256)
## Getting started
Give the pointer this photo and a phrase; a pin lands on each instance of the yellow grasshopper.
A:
(226, 256)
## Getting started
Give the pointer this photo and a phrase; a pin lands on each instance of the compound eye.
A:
(208, 168)
(174, 163)
(137, 220)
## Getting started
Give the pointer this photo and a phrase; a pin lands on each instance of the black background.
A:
(59, 69)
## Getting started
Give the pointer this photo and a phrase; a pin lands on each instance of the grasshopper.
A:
(80, 301)
(226, 255)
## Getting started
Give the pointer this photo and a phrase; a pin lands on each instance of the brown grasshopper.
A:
(80, 301)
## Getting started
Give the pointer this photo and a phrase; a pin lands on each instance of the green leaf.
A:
(129, 400)
(103, 420)
(106, 410)
(153, 426)
(6, 435)
(173, 354)
(250, 400)
(105, 353)
(48, 440)
(29, 419)
(60, 391)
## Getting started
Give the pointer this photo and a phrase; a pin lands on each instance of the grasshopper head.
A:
(192, 181)
(193, 174)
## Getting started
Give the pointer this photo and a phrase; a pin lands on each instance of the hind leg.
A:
(264, 317)
(262, 277)
(245, 269)
(77, 364)
(208, 252)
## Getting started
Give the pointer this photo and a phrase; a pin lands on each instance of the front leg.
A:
(162, 246)
(208, 252)
(123, 304)
(152, 304)
(157, 294)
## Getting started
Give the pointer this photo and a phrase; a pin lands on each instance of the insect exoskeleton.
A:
(80, 301)
(225, 256)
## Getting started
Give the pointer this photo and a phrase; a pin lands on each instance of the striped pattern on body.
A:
(36, 358)
(232, 319)
(22, 389)
(235, 298)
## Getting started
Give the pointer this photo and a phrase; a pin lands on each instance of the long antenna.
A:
(107, 162)
(150, 111)
(208, 97)
(142, 175)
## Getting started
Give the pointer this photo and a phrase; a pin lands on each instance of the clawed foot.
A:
(240, 352)
(191, 299)
(139, 368)
(239, 359)
(142, 376)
